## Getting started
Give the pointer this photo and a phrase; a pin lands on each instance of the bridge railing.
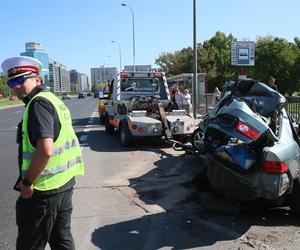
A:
(293, 107)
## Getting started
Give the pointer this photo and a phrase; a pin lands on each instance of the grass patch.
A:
(4, 103)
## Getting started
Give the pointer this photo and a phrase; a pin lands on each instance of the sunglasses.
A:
(19, 80)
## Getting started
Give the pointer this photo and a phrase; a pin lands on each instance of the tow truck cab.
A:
(140, 83)
(135, 109)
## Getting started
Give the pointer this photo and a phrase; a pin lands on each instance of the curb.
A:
(12, 106)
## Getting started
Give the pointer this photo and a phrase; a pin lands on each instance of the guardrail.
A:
(293, 107)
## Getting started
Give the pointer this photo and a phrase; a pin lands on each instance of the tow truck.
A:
(140, 107)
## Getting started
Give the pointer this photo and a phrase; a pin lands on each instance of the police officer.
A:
(49, 160)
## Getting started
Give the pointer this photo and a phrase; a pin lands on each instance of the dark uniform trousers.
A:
(45, 218)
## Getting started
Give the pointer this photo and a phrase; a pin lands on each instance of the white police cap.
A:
(21, 65)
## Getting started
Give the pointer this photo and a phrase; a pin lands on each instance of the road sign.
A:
(243, 53)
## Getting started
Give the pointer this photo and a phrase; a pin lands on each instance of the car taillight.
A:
(157, 74)
(124, 74)
(274, 167)
(247, 131)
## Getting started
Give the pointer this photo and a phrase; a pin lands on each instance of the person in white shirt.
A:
(186, 100)
(178, 98)
(216, 96)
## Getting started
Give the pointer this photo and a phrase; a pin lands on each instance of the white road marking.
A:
(17, 112)
(87, 128)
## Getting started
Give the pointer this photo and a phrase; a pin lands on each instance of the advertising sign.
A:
(243, 53)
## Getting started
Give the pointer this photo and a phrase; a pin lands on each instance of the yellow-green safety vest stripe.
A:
(66, 160)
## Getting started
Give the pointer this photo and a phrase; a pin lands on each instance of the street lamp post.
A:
(119, 53)
(106, 61)
(195, 78)
(133, 35)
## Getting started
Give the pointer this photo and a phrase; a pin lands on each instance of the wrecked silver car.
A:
(251, 145)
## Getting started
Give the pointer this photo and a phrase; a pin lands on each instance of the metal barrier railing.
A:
(204, 104)
(293, 107)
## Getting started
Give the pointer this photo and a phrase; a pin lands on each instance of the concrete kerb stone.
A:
(12, 106)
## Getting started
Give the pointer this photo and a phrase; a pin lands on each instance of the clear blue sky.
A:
(77, 33)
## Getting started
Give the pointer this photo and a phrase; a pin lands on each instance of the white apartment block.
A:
(85, 82)
(59, 77)
(81, 79)
(101, 75)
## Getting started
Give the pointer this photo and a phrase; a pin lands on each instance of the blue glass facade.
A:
(34, 50)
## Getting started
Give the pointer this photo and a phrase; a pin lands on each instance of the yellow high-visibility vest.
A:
(66, 160)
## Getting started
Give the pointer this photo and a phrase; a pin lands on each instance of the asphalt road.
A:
(142, 197)
(9, 171)
(9, 118)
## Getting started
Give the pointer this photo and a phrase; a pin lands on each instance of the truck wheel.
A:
(125, 137)
(124, 109)
(108, 127)
(119, 109)
(294, 199)
(197, 139)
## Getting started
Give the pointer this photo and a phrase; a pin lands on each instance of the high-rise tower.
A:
(36, 50)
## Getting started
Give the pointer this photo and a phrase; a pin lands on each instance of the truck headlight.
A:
(155, 130)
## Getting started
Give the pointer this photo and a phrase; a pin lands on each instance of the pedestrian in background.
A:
(272, 83)
(173, 95)
(49, 159)
(216, 96)
(186, 100)
(178, 98)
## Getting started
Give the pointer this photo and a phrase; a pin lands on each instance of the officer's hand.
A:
(26, 191)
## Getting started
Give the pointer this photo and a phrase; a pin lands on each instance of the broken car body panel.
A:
(251, 116)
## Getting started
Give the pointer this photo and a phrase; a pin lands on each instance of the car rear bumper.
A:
(245, 185)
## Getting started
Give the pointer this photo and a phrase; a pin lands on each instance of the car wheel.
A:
(126, 139)
(197, 139)
(108, 127)
(294, 200)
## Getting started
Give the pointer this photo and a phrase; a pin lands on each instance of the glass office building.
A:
(36, 50)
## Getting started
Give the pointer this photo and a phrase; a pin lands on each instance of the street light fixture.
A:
(119, 53)
(133, 36)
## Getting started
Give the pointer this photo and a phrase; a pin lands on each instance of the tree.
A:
(177, 63)
(4, 89)
(273, 57)
(215, 60)
(276, 57)
(74, 88)
(297, 41)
